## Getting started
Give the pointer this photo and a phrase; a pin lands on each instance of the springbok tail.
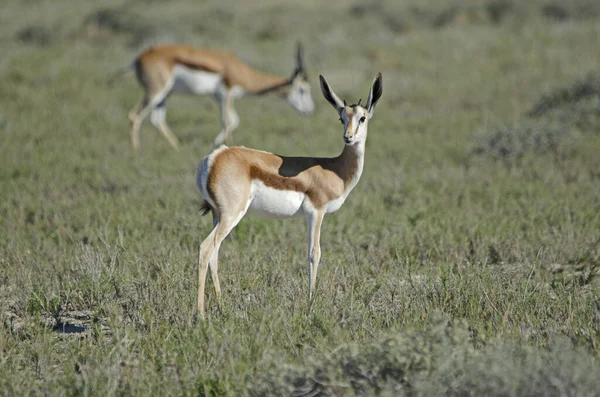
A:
(205, 208)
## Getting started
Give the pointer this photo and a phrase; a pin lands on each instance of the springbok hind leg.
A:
(214, 265)
(209, 252)
(158, 119)
(136, 122)
(137, 115)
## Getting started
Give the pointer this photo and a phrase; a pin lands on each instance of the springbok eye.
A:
(362, 119)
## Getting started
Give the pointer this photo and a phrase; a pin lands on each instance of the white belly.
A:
(189, 81)
(272, 203)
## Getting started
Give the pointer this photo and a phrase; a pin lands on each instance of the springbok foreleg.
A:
(229, 118)
(313, 222)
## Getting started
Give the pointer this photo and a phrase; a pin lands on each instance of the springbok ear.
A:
(328, 93)
(374, 94)
(300, 58)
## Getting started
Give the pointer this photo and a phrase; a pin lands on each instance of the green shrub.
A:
(514, 141)
(584, 115)
(35, 35)
(440, 362)
(388, 364)
(571, 10)
(563, 97)
(510, 370)
(577, 105)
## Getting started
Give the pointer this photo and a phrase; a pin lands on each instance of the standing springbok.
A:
(236, 180)
(176, 68)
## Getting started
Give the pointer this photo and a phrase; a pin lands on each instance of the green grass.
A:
(445, 273)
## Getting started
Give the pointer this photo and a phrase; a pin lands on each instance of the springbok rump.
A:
(235, 180)
(170, 69)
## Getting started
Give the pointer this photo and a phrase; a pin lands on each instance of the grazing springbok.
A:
(236, 180)
(182, 69)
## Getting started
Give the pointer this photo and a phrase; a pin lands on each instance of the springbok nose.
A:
(346, 139)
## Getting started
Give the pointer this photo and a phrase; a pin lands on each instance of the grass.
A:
(444, 273)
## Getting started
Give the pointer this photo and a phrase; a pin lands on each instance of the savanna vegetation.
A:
(465, 262)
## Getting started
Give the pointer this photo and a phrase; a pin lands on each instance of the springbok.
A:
(236, 180)
(182, 69)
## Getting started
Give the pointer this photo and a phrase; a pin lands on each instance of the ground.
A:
(465, 262)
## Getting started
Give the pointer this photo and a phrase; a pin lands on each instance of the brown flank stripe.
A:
(320, 179)
(233, 71)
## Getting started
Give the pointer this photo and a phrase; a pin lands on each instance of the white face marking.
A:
(300, 97)
(272, 203)
(189, 81)
(355, 122)
(203, 172)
